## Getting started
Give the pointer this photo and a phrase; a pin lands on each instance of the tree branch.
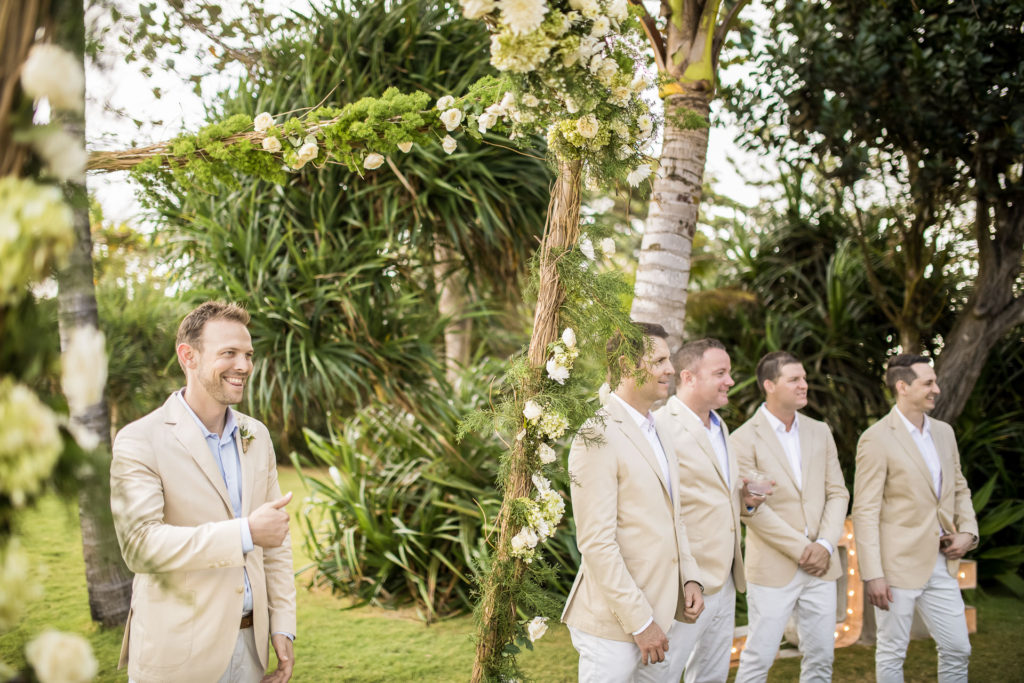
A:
(654, 36)
(722, 30)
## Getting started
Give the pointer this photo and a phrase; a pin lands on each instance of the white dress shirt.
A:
(925, 444)
(717, 437)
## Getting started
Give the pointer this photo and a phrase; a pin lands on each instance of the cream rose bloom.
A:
(523, 16)
(476, 9)
(485, 121)
(84, 368)
(532, 410)
(536, 628)
(308, 151)
(54, 73)
(448, 144)
(569, 337)
(58, 657)
(587, 126)
(446, 102)
(372, 161)
(263, 121)
(405, 146)
(451, 118)
(546, 454)
(557, 372)
(64, 154)
(271, 144)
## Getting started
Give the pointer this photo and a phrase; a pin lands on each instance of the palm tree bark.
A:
(107, 577)
(452, 301)
(563, 230)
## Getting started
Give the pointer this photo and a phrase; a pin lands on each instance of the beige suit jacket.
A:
(177, 531)
(775, 531)
(710, 505)
(635, 555)
(896, 514)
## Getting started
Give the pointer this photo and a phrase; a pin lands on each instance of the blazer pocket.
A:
(164, 624)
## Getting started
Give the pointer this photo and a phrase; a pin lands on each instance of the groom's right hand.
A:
(652, 643)
(268, 524)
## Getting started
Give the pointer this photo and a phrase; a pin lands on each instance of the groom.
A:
(201, 521)
(637, 581)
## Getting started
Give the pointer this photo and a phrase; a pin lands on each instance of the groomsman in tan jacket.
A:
(791, 540)
(711, 495)
(637, 582)
(913, 519)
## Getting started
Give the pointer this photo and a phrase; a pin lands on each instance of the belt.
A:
(246, 621)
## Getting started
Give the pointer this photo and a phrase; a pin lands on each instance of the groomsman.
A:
(637, 580)
(791, 541)
(710, 496)
(913, 518)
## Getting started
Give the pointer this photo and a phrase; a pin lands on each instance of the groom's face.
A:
(224, 360)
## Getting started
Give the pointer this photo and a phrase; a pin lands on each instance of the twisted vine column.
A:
(498, 611)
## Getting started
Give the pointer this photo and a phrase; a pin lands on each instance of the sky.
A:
(119, 93)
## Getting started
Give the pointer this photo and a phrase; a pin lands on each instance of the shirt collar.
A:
(777, 424)
(714, 419)
(642, 421)
(927, 431)
(230, 426)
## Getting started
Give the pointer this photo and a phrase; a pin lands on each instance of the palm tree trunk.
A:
(452, 301)
(107, 577)
(497, 609)
(663, 273)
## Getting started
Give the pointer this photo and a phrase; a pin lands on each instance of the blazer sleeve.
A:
(837, 497)
(137, 502)
(963, 512)
(770, 528)
(277, 563)
(594, 491)
(868, 489)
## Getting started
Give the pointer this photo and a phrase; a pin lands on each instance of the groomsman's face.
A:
(789, 390)
(654, 374)
(921, 393)
(711, 379)
(223, 361)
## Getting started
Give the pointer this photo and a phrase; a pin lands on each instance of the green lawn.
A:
(367, 644)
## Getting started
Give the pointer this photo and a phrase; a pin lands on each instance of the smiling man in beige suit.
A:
(791, 539)
(637, 581)
(913, 519)
(711, 495)
(200, 519)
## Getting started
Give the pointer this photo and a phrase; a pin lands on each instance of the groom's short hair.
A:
(190, 331)
(633, 347)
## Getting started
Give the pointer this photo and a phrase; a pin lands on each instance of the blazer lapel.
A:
(902, 436)
(945, 464)
(246, 464)
(698, 433)
(807, 443)
(770, 439)
(188, 434)
(633, 433)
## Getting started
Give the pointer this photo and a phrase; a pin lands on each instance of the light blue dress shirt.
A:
(225, 454)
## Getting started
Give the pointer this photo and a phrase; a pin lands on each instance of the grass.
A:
(366, 644)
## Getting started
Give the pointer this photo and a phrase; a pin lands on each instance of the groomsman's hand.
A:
(955, 546)
(652, 643)
(815, 559)
(694, 602)
(753, 500)
(285, 659)
(268, 523)
(878, 592)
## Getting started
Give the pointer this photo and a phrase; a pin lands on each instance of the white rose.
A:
(620, 95)
(64, 154)
(445, 103)
(486, 120)
(58, 657)
(263, 121)
(587, 247)
(546, 454)
(308, 151)
(558, 373)
(607, 71)
(608, 246)
(618, 10)
(507, 100)
(532, 410)
(536, 628)
(523, 16)
(271, 144)
(448, 144)
(569, 337)
(526, 538)
(54, 73)
(571, 106)
(451, 118)
(476, 9)
(620, 128)
(530, 100)
(587, 126)
(405, 146)
(372, 161)
(638, 175)
(84, 368)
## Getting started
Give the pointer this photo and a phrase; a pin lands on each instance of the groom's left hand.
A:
(285, 659)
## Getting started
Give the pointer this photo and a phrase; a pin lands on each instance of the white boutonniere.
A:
(246, 435)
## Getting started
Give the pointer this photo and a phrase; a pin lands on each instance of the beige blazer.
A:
(635, 555)
(776, 535)
(896, 514)
(177, 532)
(709, 504)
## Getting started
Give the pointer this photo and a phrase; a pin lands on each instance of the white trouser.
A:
(712, 637)
(942, 609)
(814, 603)
(244, 666)
(616, 661)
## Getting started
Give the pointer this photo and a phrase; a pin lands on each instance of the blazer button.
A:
(240, 589)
